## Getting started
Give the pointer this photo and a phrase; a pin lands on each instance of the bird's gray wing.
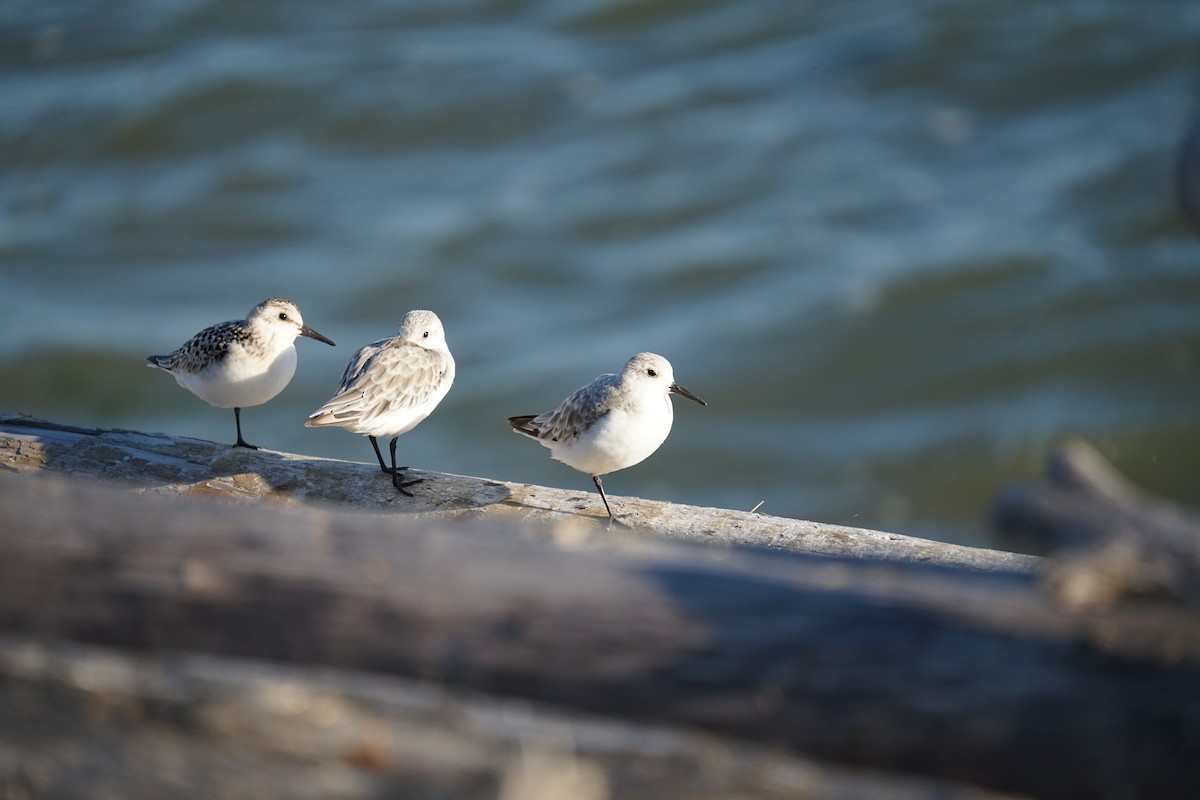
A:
(582, 409)
(385, 376)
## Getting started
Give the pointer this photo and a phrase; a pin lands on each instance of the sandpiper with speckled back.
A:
(243, 362)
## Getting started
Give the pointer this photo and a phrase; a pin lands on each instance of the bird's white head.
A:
(423, 328)
(280, 319)
(650, 371)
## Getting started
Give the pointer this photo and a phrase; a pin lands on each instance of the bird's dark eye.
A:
(283, 315)
(652, 373)
(425, 335)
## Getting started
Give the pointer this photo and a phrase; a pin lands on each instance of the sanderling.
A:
(614, 422)
(390, 385)
(243, 362)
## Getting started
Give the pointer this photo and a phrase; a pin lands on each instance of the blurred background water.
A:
(898, 247)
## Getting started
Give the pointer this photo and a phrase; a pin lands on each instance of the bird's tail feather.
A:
(525, 426)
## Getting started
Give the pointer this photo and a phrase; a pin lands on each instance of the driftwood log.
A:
(161, 464)
(1109, 540)
(791, 662)
(82, 721)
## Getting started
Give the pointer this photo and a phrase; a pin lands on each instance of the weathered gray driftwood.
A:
(1110, 540)
(161, 464)
(945, 672)
(197, 727)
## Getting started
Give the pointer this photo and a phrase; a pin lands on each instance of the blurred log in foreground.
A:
(953, 674)
(189, 726)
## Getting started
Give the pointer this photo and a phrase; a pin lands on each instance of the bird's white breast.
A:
(621, 438)
(241, 378)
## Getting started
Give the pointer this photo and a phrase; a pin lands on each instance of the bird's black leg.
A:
(398, 471)
(237, 415)
(612, 520)
(379, 455)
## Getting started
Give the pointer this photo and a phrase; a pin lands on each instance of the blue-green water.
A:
(898, 247)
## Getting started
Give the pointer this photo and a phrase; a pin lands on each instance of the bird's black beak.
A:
(675, 388)
(310, 333)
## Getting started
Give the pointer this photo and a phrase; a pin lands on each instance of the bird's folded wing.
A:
(382, 378)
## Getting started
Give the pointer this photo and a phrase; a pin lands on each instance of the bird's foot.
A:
(401, 486)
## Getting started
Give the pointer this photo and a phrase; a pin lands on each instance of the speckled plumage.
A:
(391, 385)
(613, 422)
(209, 347)
(241, 363)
